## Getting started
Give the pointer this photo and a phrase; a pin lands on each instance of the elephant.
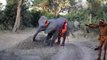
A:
(56, 29)
(43, 23)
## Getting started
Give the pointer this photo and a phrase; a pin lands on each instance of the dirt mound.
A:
(29, 50)
(30, 44)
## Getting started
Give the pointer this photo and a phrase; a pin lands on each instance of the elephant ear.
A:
(52, 26)
(64, 29)
(42, 21)
(46, 23)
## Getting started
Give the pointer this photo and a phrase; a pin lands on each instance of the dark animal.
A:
(43, 23)
(56, 29)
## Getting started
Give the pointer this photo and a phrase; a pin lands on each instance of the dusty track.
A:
(20, 47)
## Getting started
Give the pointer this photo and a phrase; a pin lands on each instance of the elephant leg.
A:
(59, 38)
(63, 42)
(55, 35)
(47, 40)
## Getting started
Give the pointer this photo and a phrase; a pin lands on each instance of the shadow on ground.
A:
(29, 50)
(30, 44)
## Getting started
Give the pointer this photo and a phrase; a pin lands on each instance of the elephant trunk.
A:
(38, 30)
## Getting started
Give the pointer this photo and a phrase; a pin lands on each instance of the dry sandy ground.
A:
(19, 46)
(8, 38)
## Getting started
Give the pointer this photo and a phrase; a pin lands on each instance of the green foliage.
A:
(25, 17)
(9, 15)
(30, 18)
(82, 15)
(72, 2)
(35, 2)
(101, 13)
(35, 17)
(47, 14)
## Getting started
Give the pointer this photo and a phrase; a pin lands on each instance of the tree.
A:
(94, 6)
(18, 16)
(72, 2)
(56, 6)
(8, 14)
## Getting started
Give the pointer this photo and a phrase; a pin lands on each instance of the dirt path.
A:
(20, 47)
(9, 39)
(75, 51)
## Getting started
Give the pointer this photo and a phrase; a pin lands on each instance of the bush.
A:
(35, 17)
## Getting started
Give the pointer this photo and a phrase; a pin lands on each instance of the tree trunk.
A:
(90, 21)
(18, 17)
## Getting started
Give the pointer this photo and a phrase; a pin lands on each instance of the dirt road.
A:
(9, 39)
(76, 51)
(20, 47)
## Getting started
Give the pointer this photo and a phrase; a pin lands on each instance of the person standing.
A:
(102, 26)
(76, 24)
